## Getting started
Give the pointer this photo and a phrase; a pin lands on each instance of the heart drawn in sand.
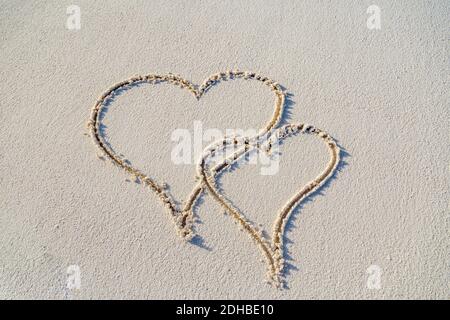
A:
(266, 138)
(182, 217)
(273, 249)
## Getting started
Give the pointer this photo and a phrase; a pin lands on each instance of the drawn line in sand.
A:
(183, 217)
(274, 250)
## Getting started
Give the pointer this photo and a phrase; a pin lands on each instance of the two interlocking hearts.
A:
(268, 136)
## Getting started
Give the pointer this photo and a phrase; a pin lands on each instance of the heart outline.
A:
(274, 250)
(183, 218)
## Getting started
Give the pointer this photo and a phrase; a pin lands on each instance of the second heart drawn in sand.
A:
(183, 217)
(273, 249)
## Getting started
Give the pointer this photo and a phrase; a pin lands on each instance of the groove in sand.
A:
(183, 218)
(274, 251)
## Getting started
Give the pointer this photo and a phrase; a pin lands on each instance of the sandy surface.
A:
(383, 94)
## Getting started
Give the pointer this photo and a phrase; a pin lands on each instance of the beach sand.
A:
(377, 230)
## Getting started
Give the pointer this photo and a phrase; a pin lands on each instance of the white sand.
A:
(383, 94)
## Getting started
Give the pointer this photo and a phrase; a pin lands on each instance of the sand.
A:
(377, 230)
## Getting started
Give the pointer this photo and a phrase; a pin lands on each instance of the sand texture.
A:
(373, 185)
